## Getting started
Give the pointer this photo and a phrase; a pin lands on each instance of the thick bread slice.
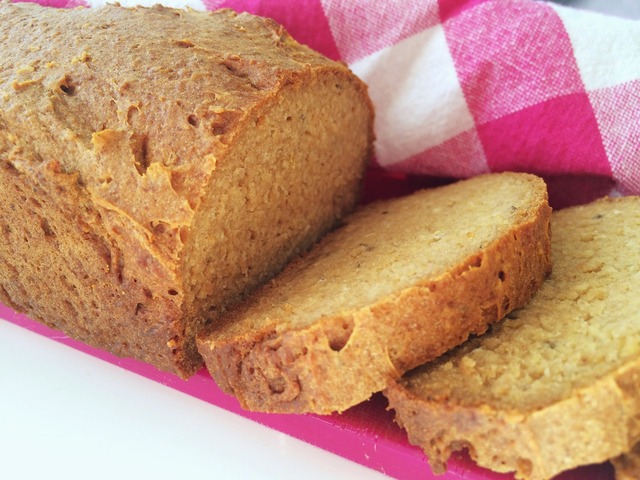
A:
(627, 466)
(400, 283)
(157, 163)
(557, 384)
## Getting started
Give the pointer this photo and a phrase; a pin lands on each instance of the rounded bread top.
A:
(150, 97)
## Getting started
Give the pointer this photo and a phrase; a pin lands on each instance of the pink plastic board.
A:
(365, 434)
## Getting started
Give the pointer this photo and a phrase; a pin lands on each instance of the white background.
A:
(67, 415)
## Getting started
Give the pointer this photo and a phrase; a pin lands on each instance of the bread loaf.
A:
(557, 384)
(156, 164)
(400, 283)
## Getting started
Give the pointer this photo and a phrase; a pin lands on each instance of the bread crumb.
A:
(467, 364)
(25, 69)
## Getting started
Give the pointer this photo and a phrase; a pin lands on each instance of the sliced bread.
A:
(557, 384)
(399, 284)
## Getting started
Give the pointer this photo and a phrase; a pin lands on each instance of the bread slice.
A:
(155, 164)
(557, 384)
(400, 283)
(627, 465)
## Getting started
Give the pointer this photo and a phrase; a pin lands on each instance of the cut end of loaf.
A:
(293, 174)
(398, 285)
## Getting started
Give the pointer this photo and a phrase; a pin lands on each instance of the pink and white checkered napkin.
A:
(463, 87)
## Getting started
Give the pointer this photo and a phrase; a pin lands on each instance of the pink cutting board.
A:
(366, 433)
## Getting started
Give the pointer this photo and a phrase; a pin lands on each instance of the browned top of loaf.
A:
(168, 105)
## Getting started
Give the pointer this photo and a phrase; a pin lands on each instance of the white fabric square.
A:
(361, 28)
(605, 47)
(617, 110)
(417, 95)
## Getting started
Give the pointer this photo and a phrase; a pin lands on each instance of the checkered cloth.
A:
(463, 87)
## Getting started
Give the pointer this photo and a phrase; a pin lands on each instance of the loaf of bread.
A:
(157, 164)
(627, 466)
(399, 284)
(557, 384)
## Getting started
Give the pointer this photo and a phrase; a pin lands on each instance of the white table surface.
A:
(65, 414)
